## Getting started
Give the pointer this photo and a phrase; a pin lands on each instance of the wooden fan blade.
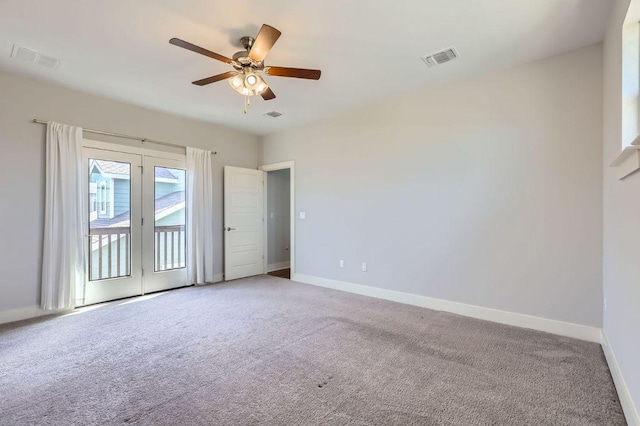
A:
(293, 72)
(268, 94)
(214, 78)
(198, 49)
(265, 40)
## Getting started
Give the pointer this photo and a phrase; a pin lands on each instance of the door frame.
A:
(142, 152)
(112, 146)
(291, 165)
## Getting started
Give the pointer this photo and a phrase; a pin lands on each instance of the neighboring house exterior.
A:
(109, 219)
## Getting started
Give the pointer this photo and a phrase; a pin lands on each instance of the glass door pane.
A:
(113, 191)
(169, 219)
(165, 237)
(109, 219)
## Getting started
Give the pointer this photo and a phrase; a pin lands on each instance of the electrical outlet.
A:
(341, 263)
(364, 266)
(303, 215)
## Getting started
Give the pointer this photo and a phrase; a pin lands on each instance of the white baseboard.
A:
(578, 331)
(277, 266)
(28, 312)
(629, 408)
(20, 314)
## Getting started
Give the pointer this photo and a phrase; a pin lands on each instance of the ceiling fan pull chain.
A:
(246, 98)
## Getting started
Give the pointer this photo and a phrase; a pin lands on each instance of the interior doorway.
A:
(279, 219)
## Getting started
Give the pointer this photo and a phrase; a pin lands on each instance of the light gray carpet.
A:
(270, 351)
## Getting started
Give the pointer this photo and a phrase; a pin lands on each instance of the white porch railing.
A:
(110, 248)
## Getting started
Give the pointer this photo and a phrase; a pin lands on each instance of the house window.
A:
(631, 74)
(102, 197)
(629, 159)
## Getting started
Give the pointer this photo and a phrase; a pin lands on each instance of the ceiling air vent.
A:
(440, 58)
(274, 114)
(24, 54)
(48, 62)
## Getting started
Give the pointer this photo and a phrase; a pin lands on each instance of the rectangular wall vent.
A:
(31, 56)
(441, 57)
(274, 114)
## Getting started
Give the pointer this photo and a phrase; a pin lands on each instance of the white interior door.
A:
(112, 187)
(164, 224)
(243, 222)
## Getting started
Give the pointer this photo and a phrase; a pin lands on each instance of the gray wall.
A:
(621, 221)
(278, 216)
(22, 171)
(487, 192)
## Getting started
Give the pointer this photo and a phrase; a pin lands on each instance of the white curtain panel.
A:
(63, 250)
(199, 216)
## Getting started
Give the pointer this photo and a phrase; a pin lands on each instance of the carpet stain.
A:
(325, 383)
(414, 344)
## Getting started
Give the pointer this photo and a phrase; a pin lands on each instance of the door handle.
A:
(230, 228)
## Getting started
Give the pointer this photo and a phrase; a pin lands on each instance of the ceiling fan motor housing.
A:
(247, 42)
(242, 60)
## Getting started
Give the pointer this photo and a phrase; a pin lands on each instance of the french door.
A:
(135, 225)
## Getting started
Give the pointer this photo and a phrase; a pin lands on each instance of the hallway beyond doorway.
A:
(281, 273)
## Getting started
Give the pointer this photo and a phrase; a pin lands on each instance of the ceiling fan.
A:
(249, 64)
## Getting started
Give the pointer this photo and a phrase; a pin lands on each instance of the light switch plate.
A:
(303, 215)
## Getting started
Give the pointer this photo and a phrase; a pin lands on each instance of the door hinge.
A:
(143, 272)
(142, 221)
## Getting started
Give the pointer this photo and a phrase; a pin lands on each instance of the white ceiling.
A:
(367, 49)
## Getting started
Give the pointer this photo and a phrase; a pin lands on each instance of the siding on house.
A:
(163, 189)
(121, 196)
(176, 218)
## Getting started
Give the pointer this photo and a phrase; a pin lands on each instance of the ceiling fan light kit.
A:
(248, 83)
(249, 64)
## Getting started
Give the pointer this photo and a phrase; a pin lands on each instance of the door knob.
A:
(230, 228)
